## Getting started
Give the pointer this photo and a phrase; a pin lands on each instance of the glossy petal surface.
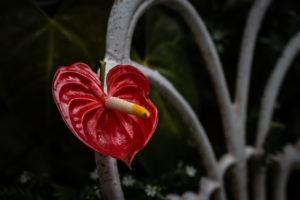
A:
(128, 83)
(81, 101)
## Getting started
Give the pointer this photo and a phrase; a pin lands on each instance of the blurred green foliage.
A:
(39, 36)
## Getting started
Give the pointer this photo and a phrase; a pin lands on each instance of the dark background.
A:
(39, 36)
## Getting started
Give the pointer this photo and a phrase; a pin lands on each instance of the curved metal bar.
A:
(208, 187)
(259, 184)
(288, 160)
(234, 139)
(250, 152)
(172, 197)
(267, 105)
(273, 86)
(167, 90)
(225, 163)
(214, 67)
(197, 131)
(253, 25)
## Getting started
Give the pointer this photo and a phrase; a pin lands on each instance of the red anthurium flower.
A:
(118, 124)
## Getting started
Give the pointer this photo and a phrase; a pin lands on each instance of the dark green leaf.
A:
(35, 41)
(36, 45)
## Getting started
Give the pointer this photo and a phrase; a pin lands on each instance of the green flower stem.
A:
(101, 64)
(102, 72)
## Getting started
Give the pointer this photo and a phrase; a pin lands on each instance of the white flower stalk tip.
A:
(114, 103)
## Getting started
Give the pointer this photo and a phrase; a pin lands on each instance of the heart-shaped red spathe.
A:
(80, 99)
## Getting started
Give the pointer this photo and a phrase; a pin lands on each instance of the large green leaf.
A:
(35, 45)
(166, 51)
(37, 38)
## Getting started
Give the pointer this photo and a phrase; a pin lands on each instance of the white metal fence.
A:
(121, 26)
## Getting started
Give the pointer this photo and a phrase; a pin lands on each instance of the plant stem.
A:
(109, 177)
(102, 72)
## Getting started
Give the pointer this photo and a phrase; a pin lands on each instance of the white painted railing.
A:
(121, 26)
